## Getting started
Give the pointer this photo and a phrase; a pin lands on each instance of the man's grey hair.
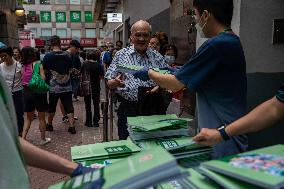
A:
(140, 22)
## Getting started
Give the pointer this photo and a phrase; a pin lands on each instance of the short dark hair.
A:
(7, 50)
(93, 55)
(17, 49)
(55, 41)
(28, 55)
(74, 43)
(222, 10)
(118, 42)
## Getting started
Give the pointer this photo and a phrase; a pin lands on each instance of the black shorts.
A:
(34, 101)
(66, 100)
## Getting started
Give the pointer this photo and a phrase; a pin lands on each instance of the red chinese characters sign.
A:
(85, 42)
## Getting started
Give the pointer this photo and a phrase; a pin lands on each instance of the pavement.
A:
(61, 141)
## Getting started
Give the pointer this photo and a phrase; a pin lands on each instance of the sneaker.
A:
(44, 142)
(72, 130)
(49, 127)
(65, 119)
(76, 118)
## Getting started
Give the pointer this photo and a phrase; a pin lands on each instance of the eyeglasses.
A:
(140, 34)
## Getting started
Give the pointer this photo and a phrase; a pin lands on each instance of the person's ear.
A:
(206, 14)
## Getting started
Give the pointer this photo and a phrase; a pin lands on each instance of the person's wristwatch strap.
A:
(223, 133)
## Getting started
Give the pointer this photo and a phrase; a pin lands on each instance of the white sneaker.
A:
(44, 142)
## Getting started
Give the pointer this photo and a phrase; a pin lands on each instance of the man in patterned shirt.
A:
(126, 86)
(265, 115)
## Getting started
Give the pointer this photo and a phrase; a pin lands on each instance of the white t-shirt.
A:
(8, 74)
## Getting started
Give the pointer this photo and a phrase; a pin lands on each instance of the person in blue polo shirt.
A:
(217, 72)
(270, 112)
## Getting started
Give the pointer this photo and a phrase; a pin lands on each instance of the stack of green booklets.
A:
(103, 151)
(195, 180)
(157, 126)
(262, 168)
(133, 68)
(145, 169)
(181, 147)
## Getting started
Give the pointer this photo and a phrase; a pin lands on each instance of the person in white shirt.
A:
(11, 69)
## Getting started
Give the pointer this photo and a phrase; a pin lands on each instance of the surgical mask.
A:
(170, 59)
(200, 28)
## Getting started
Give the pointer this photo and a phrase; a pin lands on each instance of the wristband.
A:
(223, 133)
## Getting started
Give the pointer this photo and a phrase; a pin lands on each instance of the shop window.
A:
(46, 32)
(62, 33)
(90, 33)
(76, 33)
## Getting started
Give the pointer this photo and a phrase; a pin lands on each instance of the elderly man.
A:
(126, 85)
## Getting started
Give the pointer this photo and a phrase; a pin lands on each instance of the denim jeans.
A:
(75, 81)
(18, 99)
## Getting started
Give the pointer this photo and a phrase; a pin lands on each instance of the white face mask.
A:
(200, 29)
(170, 59)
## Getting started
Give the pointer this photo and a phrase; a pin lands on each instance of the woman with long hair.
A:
(33, 101)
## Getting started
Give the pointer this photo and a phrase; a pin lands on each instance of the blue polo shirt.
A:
(217, 72)
(280, 94)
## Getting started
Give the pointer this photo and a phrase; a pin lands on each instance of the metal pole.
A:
(111, 115)
(105, 114)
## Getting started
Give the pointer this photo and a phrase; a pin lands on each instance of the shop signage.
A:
(75, 2)
(88, 16)
(75, 16)
(45, 16)
(85, 42)
(114, 17)
(60, 16)
(33, 18)
(45, 2)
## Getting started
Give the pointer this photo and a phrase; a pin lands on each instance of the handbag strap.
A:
(36, 68)
(14, 77)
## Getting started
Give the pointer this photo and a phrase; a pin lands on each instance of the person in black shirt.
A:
(94, 70)
(73, 51)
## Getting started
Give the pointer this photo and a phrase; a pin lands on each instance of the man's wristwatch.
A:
(223, 133)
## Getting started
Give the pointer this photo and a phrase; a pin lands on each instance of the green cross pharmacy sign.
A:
(60, 16)
(75, 16)
(45, 16)
(88, 16)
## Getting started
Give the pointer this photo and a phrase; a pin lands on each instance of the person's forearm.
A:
(263, 116)
(39, 158)
(167, 81)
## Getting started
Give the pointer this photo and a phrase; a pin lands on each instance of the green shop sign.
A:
(75, 16)
(45, 16)
(88, 16)
(60, 16)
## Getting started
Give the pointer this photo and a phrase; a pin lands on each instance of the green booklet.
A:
(141, 170)
(170, 144)
(156, 122)
(224, 181)
(113, 149)
(133, 68)
(194, 181)
(145, 135)
(263, 167)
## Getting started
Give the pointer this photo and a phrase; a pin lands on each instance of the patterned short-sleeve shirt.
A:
(280, 93)
(129, 56)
